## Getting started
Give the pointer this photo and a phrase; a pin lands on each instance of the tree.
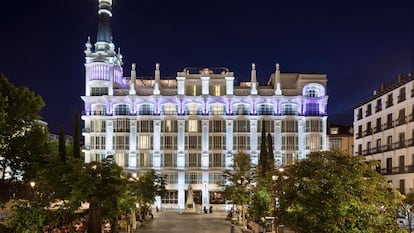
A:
(331, 192)
(270, 156)
(407, 211)
(102, 184)
(22, 136)
(239, 182)
(76, 136)
(62, 145)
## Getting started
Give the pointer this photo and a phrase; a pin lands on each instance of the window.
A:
(389, 165)
(336, 143)
(98, 142)
(216, 160)
(313, 142)
(290, 142)
(217, 90)
(378, 145)
(401, 140)
(369, 147)
(289, 109)
(390, 100)
(169, 126)
(401, 96)
(217, 109)
(312, 93)
(99, 110)
(241, 142)
(369, 128)
(359, 133)
(369, 110)
(359, 149)
(289, 126)
(216, 142)
(122, 109)
(193, 90)
(378, 107)
(314, 125)
(171, 196)
(121, 142)
(168, 142)
(359, 115)
(193, 142)
(121, 125)
(389, 121)
(193, 126)
(145, 126)
(216, 178)
(241, 126)
(169, 160)
(172, 177)
(98, 126)
(144, 142)
(402, 186)
(193, 109)
(290, 158)
(389, 142)
(241, 109)
(217, 126)
(98, 91)
(378, 125)
(401, 163)
(121, 159)
(145, 160)
(192, 178)
(265, 109)
(170, 109)
(145, 109)
(312, 109)
(401, 117)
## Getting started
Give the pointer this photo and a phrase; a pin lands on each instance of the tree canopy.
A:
(331, 192)
(22, 136)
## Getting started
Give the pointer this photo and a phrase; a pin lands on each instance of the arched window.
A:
(145, 109)
(265, 109)
(289, 109)
(122, 109)
(313, 90)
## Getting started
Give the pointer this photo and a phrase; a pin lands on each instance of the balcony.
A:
(401, 98)
(400, 121)
(359, 116)
(388, 103)
(378, 129)
(368, 113)
(397, 170)
(368, 132)
(388, 125)
(358, 135)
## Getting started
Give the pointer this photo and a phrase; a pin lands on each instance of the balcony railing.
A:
(359, 116)
(388, 125)
(401, 98)
(378, 108)
(378, 129)
(388, 147)
(388, 103)
(397, 170)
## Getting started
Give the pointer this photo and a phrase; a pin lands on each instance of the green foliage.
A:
(62, 145)
(76, 136)
(260, 203)
(331, 192)
(28, 217)
(22, 137)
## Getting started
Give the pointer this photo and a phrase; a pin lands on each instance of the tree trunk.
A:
(95, 220)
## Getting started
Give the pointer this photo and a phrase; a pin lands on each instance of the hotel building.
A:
(191, 127)
(384, 131)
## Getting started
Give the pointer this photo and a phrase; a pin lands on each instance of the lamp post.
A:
(242, 181)
(32, 185)
(279, 176)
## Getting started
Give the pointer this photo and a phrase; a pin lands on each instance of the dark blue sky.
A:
(359, 45)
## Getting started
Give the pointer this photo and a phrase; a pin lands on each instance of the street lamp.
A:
(279, 176)
(242, 182)
(32, 185)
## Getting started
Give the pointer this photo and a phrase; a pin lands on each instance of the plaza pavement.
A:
(171, 221)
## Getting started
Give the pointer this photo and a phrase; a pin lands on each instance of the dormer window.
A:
(313, 90)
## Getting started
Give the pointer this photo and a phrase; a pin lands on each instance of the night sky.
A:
(359, 45)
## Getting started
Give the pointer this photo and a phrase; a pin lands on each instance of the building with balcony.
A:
(384, 131)
(190, 127)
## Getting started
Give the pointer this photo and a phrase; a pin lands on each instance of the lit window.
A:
(192, 125)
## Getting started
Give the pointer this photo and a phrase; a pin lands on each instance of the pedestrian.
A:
(211, 209)
(205, 210)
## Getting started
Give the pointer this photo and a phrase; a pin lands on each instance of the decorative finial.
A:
(277, 66)
(119, 50)
(157, 66)
(133, 66)
(253, 66)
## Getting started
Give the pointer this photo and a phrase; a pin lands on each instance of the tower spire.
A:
(253, 81)
(157, 80)
(104, 25)
(278, 91)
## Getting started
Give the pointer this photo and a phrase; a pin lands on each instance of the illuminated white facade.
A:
(190, 127)
(384, 131)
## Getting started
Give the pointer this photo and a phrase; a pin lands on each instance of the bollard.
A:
(232, 228)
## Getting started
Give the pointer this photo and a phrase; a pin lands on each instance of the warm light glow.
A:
(32, 184)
